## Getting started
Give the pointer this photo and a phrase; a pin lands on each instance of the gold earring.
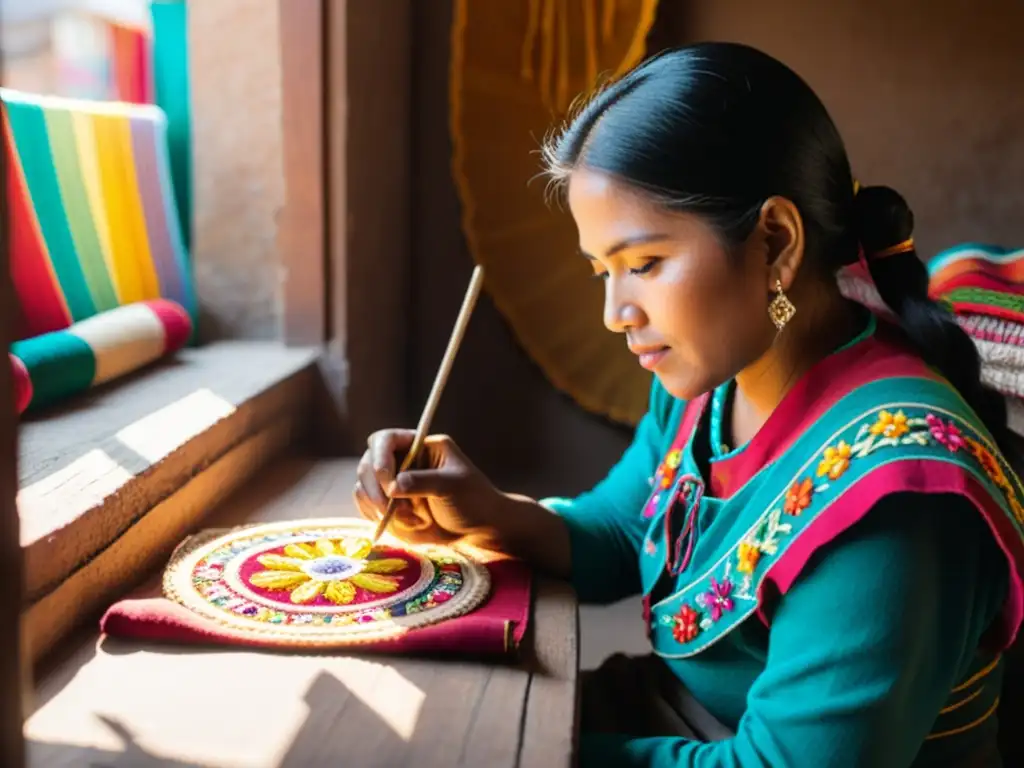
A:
(781, 310)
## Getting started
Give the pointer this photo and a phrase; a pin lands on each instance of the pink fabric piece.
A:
(496, 628)
(176, 322)
(826, 383)
(856, 501)
(22, 384)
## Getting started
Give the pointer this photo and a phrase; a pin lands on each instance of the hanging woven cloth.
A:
(517, 69)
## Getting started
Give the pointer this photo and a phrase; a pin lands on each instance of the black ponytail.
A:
(885, 225)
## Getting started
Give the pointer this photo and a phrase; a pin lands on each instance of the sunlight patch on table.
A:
(162, 432)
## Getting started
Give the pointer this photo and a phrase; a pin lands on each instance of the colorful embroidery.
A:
(989, 463)
(737, 576)
(747, 556)
(717, 598)
(663, 479)
(945, 433)
(320, 581)
(327, 569)
(835, 461)
(673, 460)
(798, 497)
(890, 425)
(685, 624)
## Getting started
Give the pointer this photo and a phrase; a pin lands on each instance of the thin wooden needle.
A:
(440, 380)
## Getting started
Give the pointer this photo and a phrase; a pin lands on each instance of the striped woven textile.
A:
(93, 219)
(55, 366)
(985, 280)
(984, 285)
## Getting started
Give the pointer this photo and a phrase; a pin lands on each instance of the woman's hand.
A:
(441, 499)
(444, 498)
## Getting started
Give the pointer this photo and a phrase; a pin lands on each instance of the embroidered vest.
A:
(892, 434)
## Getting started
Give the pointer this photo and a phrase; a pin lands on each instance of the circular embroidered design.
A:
(318, 582)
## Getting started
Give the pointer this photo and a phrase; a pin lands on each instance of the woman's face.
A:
(693, 314)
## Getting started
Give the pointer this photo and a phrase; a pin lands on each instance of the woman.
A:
(815, 508)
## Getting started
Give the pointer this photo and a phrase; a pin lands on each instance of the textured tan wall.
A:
(34, 72)
(927, 96)
(238, 177)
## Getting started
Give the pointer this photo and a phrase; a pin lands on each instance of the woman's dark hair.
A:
(715, 129)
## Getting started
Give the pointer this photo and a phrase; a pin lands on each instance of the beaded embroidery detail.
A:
(320, 583)
(730, 588)
(663, 479)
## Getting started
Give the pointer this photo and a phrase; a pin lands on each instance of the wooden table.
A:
(115, 703)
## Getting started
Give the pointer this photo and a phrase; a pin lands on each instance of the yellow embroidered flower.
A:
(890, 424)
(673, 459)
(747, 557)
(1016, 508)
(330, 568)
(835, 461)
(989, 463)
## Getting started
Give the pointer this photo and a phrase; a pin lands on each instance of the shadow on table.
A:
(318, 742)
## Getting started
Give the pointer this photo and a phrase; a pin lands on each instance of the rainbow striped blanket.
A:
(93, 219)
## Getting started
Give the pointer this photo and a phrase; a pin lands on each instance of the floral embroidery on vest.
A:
(835, 460)
(891, 425)
(687, 624)
(945, 433)
(717, 598)
(738, 575)
(798, 497)
(663, 478)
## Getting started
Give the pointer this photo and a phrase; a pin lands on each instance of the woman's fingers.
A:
(365, 508)
(369, 486)
(414, 523)
(412, 515)
(385, 448)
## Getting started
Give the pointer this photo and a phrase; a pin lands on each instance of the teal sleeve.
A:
(864, 649)
(606, 525)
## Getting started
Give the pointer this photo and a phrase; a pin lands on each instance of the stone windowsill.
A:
(94, 467)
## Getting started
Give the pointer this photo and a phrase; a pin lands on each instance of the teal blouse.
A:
(863, 650)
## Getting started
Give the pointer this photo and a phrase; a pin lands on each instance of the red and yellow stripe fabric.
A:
(93, 219)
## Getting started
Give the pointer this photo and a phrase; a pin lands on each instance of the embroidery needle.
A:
(440, 380)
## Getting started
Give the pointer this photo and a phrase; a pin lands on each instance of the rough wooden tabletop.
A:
(114, 703)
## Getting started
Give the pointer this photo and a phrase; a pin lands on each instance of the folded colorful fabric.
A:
(984, 287)
(318, 585)
(54, 366)
(980, 279)
(22, 384)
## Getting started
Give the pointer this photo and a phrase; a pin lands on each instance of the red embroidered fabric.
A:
(320, 585)
(495, 628)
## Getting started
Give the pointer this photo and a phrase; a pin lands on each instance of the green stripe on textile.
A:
(61, 128)
(170, 77)
(28, 126)
(59, 364)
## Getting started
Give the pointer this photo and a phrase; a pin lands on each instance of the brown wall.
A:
(927, 96)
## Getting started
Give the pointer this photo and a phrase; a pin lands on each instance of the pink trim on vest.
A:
(816, 391)
(916, 476)
(691, 416)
